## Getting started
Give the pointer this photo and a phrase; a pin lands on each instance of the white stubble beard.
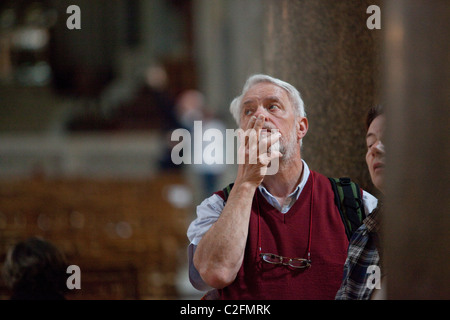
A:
(285, 146)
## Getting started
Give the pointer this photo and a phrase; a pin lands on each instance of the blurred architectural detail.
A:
(228, 47)
(126, 236)
(416, 84)
(84, 156)
(82, 116)
(25, 30)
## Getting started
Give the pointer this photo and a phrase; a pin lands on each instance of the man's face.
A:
(375, 156)
(274, 104)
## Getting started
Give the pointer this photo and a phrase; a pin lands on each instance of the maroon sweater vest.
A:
(287, 235)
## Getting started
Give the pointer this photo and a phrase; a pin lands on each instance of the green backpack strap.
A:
(227, 190)
(348, 200)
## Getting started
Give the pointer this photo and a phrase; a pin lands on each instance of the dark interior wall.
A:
(84, 60)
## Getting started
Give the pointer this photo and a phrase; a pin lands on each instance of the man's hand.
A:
(254, 154)
(220, 253)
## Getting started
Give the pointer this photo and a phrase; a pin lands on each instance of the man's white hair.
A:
(293, 94)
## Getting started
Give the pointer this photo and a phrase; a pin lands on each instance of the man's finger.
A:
(266, 158)
(259, 124)
(251, 123)
(266, 142)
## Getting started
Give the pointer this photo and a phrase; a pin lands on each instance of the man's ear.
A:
(302, 127)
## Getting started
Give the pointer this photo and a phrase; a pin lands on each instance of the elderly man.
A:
(276, 236)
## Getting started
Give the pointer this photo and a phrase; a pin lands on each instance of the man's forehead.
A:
(265, 90)
(267, 98)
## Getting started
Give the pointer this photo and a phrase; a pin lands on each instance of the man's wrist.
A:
(244, 188)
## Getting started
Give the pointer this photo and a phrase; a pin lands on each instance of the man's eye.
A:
(248, 112)
(273, 107)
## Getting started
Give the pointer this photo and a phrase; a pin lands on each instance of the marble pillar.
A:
(325, 49)
(416, 84)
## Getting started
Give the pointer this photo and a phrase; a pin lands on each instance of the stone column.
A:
(325, 49)
(416, 84)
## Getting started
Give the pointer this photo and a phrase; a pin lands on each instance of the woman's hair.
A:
(35, 265)
(294, 95)
(372, 113)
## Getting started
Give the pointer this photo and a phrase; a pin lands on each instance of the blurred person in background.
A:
(191, 108)
(35, 269)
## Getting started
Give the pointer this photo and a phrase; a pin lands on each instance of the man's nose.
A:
(261, 110)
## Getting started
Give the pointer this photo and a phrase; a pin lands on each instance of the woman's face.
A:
(375, 157)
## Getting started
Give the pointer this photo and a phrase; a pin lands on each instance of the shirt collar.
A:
(373, 220)
(293, 196)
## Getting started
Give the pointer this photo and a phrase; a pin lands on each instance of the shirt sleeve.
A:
(207, 214)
